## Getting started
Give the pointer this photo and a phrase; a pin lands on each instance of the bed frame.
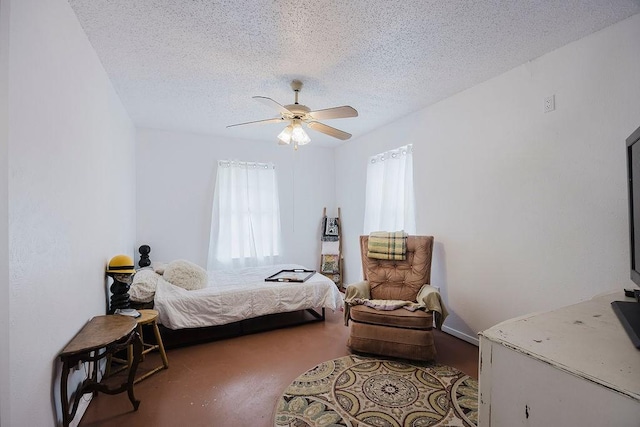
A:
(174, 338)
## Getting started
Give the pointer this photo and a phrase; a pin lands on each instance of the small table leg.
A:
(66, 418)
(137, 354)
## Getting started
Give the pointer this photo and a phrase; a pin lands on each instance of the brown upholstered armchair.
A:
(398, 332)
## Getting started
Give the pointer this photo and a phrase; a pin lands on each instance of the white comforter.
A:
(241, 294)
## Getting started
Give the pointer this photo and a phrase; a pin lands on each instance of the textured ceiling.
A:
(193, 65)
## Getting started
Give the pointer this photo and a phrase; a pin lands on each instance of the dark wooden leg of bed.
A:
(316, 314)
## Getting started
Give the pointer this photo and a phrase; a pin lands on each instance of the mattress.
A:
(231, 296)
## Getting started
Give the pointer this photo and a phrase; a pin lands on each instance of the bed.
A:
(240, 301)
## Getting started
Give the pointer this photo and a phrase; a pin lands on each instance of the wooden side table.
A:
(111, 333)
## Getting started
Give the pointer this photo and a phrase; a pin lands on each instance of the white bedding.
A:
(241, 294)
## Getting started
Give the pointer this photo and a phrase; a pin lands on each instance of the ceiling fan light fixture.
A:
(299, 136)
(284, 137)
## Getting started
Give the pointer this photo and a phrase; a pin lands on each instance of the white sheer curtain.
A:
(390, 200)
(245, 218)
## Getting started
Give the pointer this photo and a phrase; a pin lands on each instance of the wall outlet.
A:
(549, 103)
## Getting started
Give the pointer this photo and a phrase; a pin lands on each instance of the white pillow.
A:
(159, 267)
(143, 286)
(185, 274)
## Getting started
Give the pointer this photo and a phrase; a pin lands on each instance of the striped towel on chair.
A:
(387, 245)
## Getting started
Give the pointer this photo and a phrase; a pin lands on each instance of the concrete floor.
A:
(236, 382)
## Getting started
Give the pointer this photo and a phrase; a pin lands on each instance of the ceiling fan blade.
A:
(272, 104)
(336, 133)
(260, 122)
(334, 113)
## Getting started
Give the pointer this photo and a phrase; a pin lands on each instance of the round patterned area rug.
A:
(358, 391)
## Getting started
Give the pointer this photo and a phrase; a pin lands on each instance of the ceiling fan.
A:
(297, 114)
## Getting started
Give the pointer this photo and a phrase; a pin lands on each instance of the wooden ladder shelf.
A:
(331, 259)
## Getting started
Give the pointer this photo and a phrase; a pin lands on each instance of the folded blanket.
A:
(330, 229)
(330, 248)
(330, 264)
(429, 298)
(387, 245)
(382, 304)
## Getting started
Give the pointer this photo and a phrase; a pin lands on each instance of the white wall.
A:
(4, 213)
(71, 159)
(175, 181)
(528, 209)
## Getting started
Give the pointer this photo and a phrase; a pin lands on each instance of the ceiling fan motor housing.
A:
(299, 111)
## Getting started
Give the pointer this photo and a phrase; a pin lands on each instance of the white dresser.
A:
(574, 366)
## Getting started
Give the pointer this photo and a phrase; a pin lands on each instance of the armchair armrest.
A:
(429, 298)
(353, 291)
(357, 290)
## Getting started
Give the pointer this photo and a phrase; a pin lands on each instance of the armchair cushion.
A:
(399, 318)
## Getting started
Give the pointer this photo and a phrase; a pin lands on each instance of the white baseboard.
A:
(468, 338)
(82, 407)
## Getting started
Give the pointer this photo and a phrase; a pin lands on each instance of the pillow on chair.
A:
(186, 275)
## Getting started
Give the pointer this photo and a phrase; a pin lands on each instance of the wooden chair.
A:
(147, 317)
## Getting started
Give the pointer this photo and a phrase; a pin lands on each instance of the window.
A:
(390, 201)
(245, 218)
